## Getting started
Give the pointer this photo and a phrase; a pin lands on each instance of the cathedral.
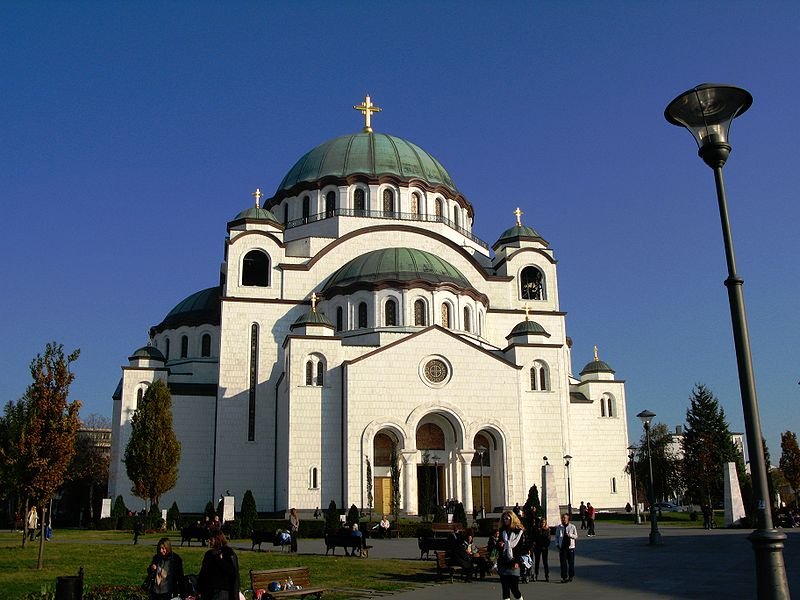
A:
(360, 327)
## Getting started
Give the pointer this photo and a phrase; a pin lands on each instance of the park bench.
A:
(345, 539)
(194, 532)
(444, 564)
(271, 537)
(445, 529)
(301, 576)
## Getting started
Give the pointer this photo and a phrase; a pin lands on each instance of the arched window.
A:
(455, 216)
(359, 202)
(607, 406)
(390, 313)
(184, 346)
(306, 208)
(362, 315)
(139, 396)
(467, 319)
(255, 269)
(480, 323)
(309, 372)
(446, 315)
(320, 373)
(251, 398)
(313, 478)
(330, 204)
(531, 284)
(613, 485)
(339, 319)
(286, 214)
(205, 345)
(420, 313)
(388, 202)
(166, 350)
(540, 378)
(481, 441)
(415, 204)
(438, 206)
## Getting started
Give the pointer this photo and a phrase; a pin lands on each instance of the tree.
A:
(174, 517)
(88, 474)
(248, 515)
(707, 445)
(45, 424)
(153, 451)
(667, 482)
(790, 461)
(332, 522)
(370, 498)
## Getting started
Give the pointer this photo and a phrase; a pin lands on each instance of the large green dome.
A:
(370, 154)
(396, 267)
(201, 308)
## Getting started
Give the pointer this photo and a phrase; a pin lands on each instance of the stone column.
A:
(549, 498)
(466, 480)
(409, 490)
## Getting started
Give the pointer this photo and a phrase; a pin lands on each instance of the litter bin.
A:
(69, 587)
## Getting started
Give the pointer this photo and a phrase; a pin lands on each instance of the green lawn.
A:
(125, 564)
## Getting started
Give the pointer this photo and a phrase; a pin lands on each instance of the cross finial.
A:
(367, 108)
(596, 357)
(314, 299)
(518, 214)
(527, 308)
(257, 195)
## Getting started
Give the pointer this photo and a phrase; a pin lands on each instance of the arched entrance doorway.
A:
(431, 480)
(382, 446)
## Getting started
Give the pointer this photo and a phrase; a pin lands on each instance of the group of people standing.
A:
(218, 578)
(32, 524)
(588, 514)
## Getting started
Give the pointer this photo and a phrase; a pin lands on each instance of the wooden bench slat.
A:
(260, 579)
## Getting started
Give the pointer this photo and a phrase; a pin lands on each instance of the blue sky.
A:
(131, 132)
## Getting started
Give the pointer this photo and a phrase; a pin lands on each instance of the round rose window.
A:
(435, 371)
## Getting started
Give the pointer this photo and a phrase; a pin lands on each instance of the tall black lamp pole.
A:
(655, 535)
(567, 459)
(707, 112)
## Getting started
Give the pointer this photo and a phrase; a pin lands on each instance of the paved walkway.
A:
(619, 564)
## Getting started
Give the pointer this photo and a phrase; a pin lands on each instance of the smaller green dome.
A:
(253, 213)
(312, 317)
(518, 232)
(527, 328)
(149, 353)
(597, 366)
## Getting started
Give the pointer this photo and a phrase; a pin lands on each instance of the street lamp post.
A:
(436, 479)
(655, 535)
(481, 450)
(567, 459)
(707, 112)
(631, 456)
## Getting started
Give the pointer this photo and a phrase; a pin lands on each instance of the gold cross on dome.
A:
(367, 108)
(257, 195)
(596, 357)
(314, 299)
(527, 308)
(518, 214)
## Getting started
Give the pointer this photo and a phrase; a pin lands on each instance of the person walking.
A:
(566, 534)
(591, 515)
(510, 547)
(219, 573)
(582, 513)
(165, 573)
(32, 522)
(541, 547)
(294, 527)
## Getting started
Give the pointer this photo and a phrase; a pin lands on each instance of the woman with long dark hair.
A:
(165, 573)
(219, 573)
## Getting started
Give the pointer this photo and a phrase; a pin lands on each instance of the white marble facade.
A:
(357, 312)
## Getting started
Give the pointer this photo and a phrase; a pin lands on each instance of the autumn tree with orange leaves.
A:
(39, 432)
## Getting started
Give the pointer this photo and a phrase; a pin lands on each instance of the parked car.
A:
(667, 507)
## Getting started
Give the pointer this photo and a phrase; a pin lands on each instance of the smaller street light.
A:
(567, 459)
(655, 535)
(632, 449)
(481, 451)
(435, 459)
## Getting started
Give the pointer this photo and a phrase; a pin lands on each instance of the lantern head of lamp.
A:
(646, 417)
(707, 112)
